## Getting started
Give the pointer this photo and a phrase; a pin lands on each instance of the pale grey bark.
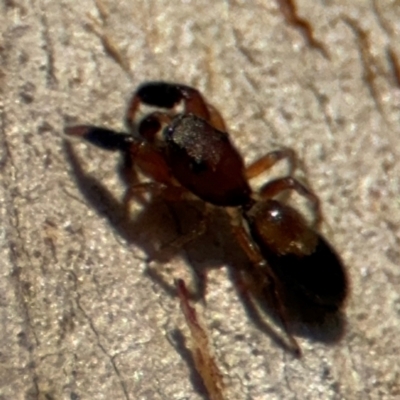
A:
(79, 318)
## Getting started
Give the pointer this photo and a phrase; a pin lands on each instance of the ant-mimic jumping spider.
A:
(188, 154)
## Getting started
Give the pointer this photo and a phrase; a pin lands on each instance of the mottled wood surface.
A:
(79, 317)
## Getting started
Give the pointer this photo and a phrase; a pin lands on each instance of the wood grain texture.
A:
(80, 319)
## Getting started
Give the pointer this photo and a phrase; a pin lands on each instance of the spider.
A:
(186, 153)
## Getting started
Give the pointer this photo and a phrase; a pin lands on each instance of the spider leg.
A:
(261, 273)
(200, 230)
(252, 286)
(269, 160)
(265, 279)
(136, 156)
(106, 139)
(167, 95)
(216, 119)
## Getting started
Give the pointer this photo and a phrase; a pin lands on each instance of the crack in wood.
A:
(289, 10)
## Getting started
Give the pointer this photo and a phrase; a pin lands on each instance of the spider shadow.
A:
(159, 221)
(303, 317)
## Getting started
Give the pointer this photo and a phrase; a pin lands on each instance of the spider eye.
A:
(168, 133)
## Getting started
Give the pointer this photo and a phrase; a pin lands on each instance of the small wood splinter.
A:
(200, 349)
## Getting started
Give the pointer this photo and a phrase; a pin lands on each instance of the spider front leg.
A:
(106, 139)
(136, 155)
(168, 95)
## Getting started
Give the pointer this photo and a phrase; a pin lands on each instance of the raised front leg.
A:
(104, 138)
(167, 95)
(137, 156)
